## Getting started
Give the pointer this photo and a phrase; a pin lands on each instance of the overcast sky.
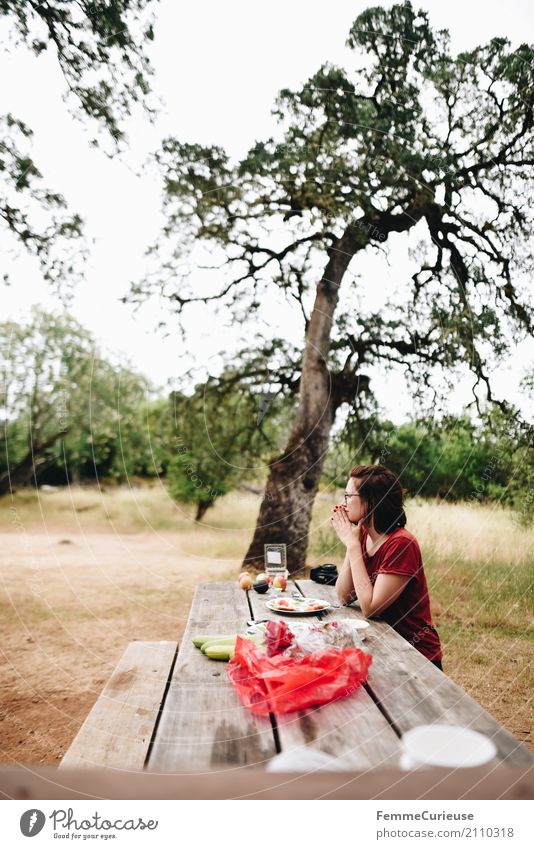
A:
(218, 68)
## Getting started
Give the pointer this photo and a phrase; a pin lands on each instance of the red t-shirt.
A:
(410, 613)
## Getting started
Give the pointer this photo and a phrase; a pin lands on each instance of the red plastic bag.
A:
(281, 684)
(278, 637)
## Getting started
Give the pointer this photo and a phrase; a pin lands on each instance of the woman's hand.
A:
(346, 531)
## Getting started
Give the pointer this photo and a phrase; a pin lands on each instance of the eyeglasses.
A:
(347, 495)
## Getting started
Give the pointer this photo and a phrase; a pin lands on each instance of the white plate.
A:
(358, 624)
(299, 608)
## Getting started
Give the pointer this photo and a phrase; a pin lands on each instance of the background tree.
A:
(100, 49)
(66, 412)
(513, 455)
(444, 458)
(222, 435)
(414, 139)
(489, 458)
(115, 425)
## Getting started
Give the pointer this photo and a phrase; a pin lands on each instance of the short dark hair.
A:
(383, 495)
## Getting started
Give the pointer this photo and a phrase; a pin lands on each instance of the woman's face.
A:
(354, 503)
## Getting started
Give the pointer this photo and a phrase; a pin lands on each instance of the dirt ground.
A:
(70, 604)
(68, 611)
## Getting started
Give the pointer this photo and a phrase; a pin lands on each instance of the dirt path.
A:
(68, 610)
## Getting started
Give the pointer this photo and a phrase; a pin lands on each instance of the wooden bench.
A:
(40, 782)
(119, 728)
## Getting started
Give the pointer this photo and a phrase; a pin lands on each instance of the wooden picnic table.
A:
(203, 727)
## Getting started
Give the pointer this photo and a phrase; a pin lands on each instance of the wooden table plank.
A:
(328, 593)
(218, 607)
(205, 727)
(203, 724)
(118, 729)
(351, 729)
(412, 691)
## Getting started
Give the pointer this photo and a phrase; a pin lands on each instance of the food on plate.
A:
(284, 604)
(245, 582)
(298, 605)
(261, 586)
(279, 582)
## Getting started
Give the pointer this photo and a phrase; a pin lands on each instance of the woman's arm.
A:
(373, 599)
(344, 586)
(354, 580)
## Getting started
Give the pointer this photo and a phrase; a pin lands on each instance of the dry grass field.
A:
(84, 572)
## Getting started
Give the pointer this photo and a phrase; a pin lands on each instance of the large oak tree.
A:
(412, 140)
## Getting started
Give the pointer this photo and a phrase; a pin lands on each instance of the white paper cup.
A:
(445, 746)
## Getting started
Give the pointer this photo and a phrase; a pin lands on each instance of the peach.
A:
(245, 582)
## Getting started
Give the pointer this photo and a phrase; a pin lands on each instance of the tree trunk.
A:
(202, 507)
(75, 477)
(22, 473)
(293, 481)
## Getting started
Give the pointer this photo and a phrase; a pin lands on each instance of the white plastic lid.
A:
(448, 746)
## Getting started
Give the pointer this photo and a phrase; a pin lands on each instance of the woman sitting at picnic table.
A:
(383, 568)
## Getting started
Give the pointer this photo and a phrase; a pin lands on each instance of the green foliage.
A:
(513, 441)
(221, 438)
(67, 412)
(454, 458)
(109, 436)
